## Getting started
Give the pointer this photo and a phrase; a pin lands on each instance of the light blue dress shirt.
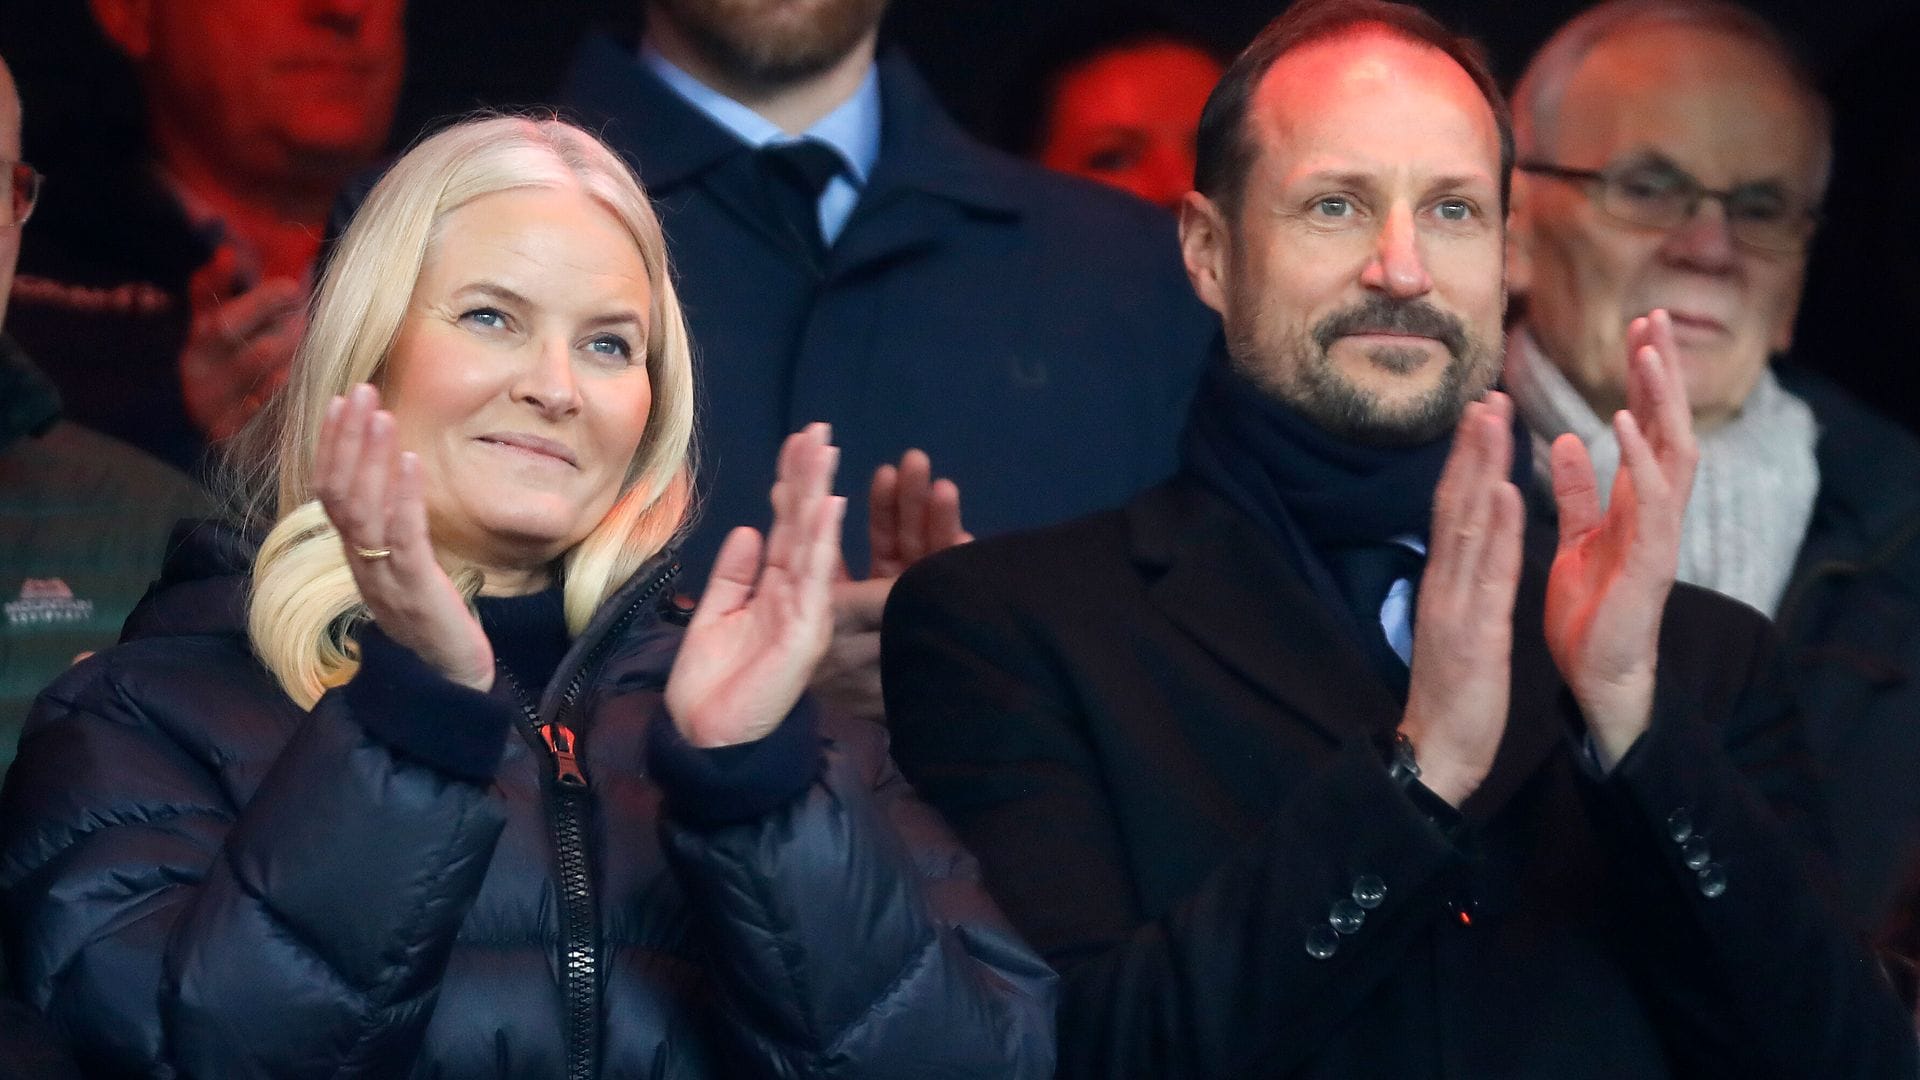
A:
(852, 130)
(1396, 611)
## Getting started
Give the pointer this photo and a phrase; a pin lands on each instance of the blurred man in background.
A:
(164, 296)
(83, 518)
(1117, 102)
(846, 253)
(1673, 154)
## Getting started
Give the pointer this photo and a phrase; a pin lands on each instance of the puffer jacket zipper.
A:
(569, 810)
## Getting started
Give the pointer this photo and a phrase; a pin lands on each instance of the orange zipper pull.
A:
(559, 740)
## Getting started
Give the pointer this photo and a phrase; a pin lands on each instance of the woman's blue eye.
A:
(488, 317)
(611, 345)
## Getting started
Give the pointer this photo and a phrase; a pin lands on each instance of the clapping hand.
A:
(239, 345)
(766, 617)
(1613, 570)
(910, 515)
(373, 494)
(1463, 634)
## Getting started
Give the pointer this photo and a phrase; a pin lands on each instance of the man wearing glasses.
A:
(1673, 154)
(83, 518)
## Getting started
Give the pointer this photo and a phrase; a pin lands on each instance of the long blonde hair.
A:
(304, 603)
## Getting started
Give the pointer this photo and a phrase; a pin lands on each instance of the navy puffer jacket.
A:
(200, 879)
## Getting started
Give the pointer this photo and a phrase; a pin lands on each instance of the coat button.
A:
(1713, 880)
(1680, 826)
(1346, 917)
(1695, 853)
(1369, 891)
(1322, 942)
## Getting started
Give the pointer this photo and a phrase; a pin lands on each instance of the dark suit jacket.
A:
(1032, 332)
(1851, 620)
(1163, 751)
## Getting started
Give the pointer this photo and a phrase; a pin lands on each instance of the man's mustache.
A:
(1379, 315)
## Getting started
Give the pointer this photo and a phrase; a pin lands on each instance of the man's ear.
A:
(1519, 236)
(1206, 248)
(127, 24)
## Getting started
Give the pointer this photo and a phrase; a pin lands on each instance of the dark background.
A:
(1859, 324)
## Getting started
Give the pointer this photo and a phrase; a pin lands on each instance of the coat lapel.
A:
(929, 175)
(1230, 588)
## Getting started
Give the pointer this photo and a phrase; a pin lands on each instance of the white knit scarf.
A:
(1752, 496)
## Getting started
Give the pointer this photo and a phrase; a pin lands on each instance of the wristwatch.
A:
(1402, 766)
(1404, 769)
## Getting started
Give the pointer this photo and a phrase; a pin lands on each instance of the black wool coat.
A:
(1164, 752)
(201, 879)
(1851, 621)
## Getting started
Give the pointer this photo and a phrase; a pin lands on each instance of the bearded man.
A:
(1269, 816)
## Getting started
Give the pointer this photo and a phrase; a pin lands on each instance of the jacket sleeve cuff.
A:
(411, 708)
(731, 784)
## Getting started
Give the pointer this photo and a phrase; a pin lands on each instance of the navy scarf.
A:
(1296, 480)
(1323, 499)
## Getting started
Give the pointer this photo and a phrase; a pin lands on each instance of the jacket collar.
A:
(1859, 511)
(29, 404)
(1225, 583)
(202, 588)
(921, 148)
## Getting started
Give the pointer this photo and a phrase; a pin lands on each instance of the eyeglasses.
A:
(1656, 195)
(22, 191)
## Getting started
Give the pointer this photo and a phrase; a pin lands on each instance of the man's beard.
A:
(742, 39)
(1309, 382)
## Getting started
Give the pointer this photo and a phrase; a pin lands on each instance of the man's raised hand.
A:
(1614, 568)
(1463, 631)
(910, 515)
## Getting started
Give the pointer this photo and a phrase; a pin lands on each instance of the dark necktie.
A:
(1365, 574)
(793, 175)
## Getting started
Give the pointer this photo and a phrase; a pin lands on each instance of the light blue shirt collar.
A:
(852, 129)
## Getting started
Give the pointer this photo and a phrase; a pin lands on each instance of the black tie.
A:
(794, 174)
(1365, 574)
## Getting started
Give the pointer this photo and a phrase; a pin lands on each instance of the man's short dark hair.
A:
(1225, 150)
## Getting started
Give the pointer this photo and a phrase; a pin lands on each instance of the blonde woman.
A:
(434, 783)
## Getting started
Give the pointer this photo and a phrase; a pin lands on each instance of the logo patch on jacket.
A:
(132, 298)
(44, 601)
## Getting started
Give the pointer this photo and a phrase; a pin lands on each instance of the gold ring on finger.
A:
(373, 554)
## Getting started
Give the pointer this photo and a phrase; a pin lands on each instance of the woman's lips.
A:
(1696, 323)
(532, 445)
